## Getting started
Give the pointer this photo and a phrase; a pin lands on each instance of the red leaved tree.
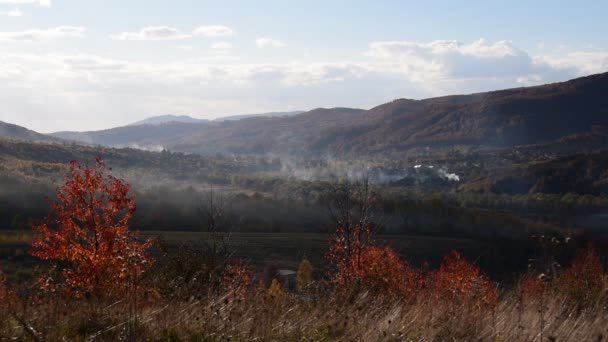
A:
(87, 235)
(346, 249)
(459, 282)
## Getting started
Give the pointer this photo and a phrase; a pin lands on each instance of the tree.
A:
(304, 275)
(87, 234)
(346, 248)
(218, 224)
(350, 205)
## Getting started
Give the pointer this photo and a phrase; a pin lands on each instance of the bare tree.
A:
(351, 202)
(218, 225)
(352, 206)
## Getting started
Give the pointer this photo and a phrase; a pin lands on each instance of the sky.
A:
(96, 64)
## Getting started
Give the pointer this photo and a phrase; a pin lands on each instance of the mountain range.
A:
(164, 119)
(571, 111)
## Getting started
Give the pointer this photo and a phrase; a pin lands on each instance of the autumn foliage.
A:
(304, 275)
(87, 236)
(237, 278)
(458, 281)
(346, 251)
(583, 283)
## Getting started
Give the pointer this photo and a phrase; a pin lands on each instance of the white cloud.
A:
(265, 42)
(40, 35)
(152, 33)
(214, 31)
(44, 3)
(447, 66)
(221, 46)
(62, 87)
(585, 62)
(15, 12)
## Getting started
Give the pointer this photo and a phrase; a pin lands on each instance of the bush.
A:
(458, 282)
(583, 282)
(304, 275)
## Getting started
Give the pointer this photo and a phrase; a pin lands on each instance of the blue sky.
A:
(92, 64)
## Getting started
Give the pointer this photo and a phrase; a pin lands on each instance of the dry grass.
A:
(326, 317)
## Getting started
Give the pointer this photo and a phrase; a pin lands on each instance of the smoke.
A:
(149, 148)
(332, 170)
(449, 176)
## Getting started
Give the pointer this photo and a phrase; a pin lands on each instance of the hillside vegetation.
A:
(521, 116)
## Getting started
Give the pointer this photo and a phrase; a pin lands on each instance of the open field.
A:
(286, 250)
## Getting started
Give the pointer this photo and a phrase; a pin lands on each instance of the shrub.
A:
(304, 275)
(276, 292)
(237, 278)
(459, 282)
(383, 271)
(583, 282)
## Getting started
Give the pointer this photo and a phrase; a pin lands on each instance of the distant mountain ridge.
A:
(249, 116)
(575, 111)
(163, 119)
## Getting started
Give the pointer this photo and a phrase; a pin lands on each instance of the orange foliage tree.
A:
(87, 234)
(346, 248)
(459, 282)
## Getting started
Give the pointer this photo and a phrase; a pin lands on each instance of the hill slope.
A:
(520, 116)
(10, 131)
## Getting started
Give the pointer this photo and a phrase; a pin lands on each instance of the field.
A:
(286, 250)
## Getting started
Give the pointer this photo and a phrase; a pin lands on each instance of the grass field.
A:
(286, 250)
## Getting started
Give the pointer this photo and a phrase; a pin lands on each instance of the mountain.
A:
(163, 119)
(247, 116)
(545, 114)
(10, 131)
(255, 135)
(579, 173)
(502, 118)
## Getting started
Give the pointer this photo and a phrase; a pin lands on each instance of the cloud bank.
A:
(43, 3)
(52, 91)
(41, 35)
